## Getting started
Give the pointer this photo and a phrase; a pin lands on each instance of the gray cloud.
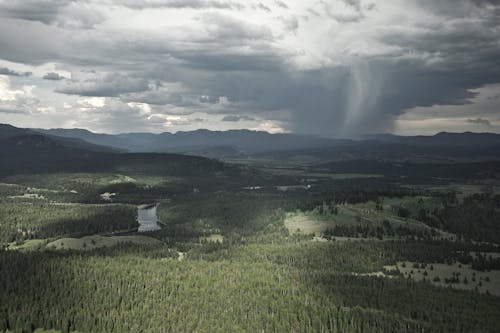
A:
(281, 4)
(197, 4)
(291, 24)
(356, 4)
(8, 71)
(263, 7)
(355, 13)
(107, 85)
(479, 121)
(224, 28)
(53, 76)
(208, 99)
(156, 98)
(65, 13)
(235, 118)
(32, 43)
(44, 11)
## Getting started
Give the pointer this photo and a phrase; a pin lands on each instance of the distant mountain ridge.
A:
(239, 141)
(244, 143)
(28, 137)
(27, 151)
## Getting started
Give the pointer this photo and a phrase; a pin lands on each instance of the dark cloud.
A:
(157, 97)
(263, 7)
(291, 24)
(460, 9)
(370, 6)
(355, 14)
(224, 28)
(31, 42)
(281, 4)
(8, 71)
(356, 4)
(12, 110)
(219, 61)
(107, 85)
(479, 121)
(208, 99)
(53, 76)
(44, 11)
(235, 118)
(197, 4)
(65, 13)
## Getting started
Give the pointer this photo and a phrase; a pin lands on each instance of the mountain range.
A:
(24, 138)
(246, 143)
(232, 142)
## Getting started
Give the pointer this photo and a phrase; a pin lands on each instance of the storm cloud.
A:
(53, 76)
(237, 118)
(479, 121)
(8, 71)
(331, 68)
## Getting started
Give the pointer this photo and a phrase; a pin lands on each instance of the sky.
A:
(336, 68)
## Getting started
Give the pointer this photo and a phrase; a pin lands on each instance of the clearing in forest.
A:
(306, 225)
(454, 275)
(97, 241)
(214, 238)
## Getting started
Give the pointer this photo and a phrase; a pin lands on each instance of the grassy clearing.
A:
(300, 223)
(343, 175)
(41, 330)
(369, 213)
(69, 181)
(305, 173)
(455, 275)
(96, 241)
(32, 244)
(373, 274)
(28, 196)
(64, 180)
(490, 255)
(462, 190)
(213, 238)
(366, 216)
(364, 239)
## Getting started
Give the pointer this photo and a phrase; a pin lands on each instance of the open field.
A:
(305, 225)
(463, 189)
(215, 238)
(451, 275)
(63, 181)
(31, 244)
(305, 173)
(361, 220)
(94, 242)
